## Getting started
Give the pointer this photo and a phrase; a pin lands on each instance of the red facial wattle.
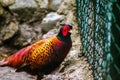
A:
(65, 30)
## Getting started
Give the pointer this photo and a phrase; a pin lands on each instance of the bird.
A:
(43, 54)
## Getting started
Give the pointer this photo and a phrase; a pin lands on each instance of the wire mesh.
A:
(115, 41)
(96, 20)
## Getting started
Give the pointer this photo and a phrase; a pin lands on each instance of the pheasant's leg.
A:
(39, 76)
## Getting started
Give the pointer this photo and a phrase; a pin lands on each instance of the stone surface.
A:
(49, 4)
(49, 22)
(10, 31)
(73, 71)
(27, 35)
(7, 32)
(7, 73)
(24, 4)
(2, 11)
(42, 3)
(50, 33)
(5, 3)
(22, 9)
(54, 4)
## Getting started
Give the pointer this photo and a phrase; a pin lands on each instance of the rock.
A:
(50, 21)
(7, 73)
(49, 4)
(23, 9)
(54, 4)
(38, 31)
(66, 6)
(10, 31)
(24, 4)
(50, 33)
(5, 51)
(4, 7)
(27, 35)
(42, 3)
(1, 42)
(2, 11)
(5, 3)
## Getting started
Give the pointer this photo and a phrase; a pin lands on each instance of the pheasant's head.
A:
(64, 29)
(64, 33)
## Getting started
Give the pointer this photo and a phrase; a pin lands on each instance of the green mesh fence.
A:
(99, 21)
(115, 41)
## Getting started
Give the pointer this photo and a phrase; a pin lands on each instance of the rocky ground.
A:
(22, 22)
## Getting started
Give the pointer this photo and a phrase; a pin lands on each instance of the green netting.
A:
(115, 41)
(99, 21)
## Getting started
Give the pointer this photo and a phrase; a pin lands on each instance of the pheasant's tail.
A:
(3, 63)
(14, 60)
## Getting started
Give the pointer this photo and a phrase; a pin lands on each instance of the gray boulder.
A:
(49, 4)
(22, 9)
(49, 22)
(8, 31)
(5, 3)
(27, 35)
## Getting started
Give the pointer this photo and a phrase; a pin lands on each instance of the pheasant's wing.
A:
(26, 54)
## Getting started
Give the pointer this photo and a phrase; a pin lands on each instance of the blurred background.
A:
(96, 32)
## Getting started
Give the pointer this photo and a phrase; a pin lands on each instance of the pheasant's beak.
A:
(70, 32)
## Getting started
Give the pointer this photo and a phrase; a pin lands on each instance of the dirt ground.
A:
(70, 69)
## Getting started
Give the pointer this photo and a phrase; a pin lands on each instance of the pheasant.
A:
(43, 54)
